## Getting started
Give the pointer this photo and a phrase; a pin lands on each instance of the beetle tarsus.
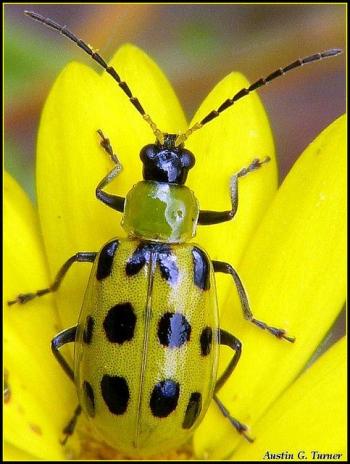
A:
(239, 426)
(255, 164)
(106, 145)
(23, 298)
(279, 333)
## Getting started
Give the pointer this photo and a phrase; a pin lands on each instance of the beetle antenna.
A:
(256, 85)
(110, 70)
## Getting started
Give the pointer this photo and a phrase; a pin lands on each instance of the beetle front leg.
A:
(81, 257)
(64, 337)
(220, 266)
(215, 217)
(113, 201)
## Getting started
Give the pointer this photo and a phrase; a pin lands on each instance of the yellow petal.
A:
(294, 271)
(36, 381)
(11, 453)
(71, 162)
(29, 423)
(310, 417)
(222, 147)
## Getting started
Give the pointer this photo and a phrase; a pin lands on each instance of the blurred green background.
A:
(196, 45)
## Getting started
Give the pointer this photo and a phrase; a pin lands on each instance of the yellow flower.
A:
(288, 246)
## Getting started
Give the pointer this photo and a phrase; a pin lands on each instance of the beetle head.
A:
(165, 162)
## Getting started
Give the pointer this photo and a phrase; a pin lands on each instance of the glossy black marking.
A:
(164, 257)
(115, 392)
(201, 269)
(206, 340)
(105, 260)
(166, 163)
(88, 329)
(137, 260)
(164, 398)
(193, 410)
(173, 330)
(119, 324)
(167, 265)
(89, 398)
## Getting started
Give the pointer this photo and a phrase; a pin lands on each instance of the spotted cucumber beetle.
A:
(150, 309)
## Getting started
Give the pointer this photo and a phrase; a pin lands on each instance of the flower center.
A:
(93, 449)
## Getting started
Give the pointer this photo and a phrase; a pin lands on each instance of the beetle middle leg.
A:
(220, 266)
(64, 337)
(225, 338)
(81, 257)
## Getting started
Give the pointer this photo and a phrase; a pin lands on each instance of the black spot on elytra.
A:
(206, 340)
(138, 259)
(119, 324)
(167, 265)
(88, 329)
(105, 260)
(89, 398)
(193, 410)
(173, 330)
(164, 398)
(200, 269)
(115, 392)
(162, 254)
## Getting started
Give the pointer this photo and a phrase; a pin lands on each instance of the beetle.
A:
(148, 335)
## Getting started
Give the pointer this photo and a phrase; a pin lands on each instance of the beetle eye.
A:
(148, 152)
(187, 159)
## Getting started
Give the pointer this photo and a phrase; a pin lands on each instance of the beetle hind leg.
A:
(229, 340)
(239, 426)
(225, 338)
(64, 337)
(70, 427)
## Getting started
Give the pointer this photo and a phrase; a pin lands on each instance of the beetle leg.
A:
(70, 427)
(225, 338)
(81, 257)
(113, 201)
(241, 428)
(64, 337)
(220, 266)
(215, 217)
(106, 145)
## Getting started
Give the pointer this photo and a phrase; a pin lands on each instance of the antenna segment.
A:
(256, 85)
(110, 70)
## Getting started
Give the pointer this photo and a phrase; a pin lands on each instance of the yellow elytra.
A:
(146, 350)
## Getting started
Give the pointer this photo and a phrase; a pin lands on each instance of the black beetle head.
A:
(165, 162)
